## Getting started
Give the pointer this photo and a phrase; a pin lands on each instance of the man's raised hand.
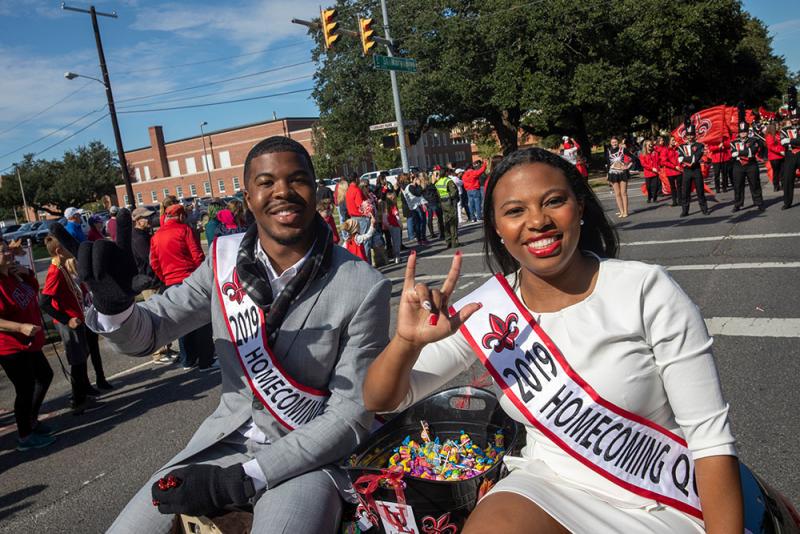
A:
(108, 268)
(424, 316)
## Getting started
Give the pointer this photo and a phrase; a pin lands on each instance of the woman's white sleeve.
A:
(682, 349)
(438, 364)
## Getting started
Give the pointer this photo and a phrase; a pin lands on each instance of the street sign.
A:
(391, 125)
(402, 64)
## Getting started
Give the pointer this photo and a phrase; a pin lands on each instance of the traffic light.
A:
(367, 33)
(330, 27)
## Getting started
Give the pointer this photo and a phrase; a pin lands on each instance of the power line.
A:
(215, 82)
(70, 136)
(48, 108)
(203, 62)
(222, 102)
(235, 90)
(42, 138)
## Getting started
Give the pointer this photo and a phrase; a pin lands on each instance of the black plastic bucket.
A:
(472, 410)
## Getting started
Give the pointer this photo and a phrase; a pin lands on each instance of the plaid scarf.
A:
(255, 280)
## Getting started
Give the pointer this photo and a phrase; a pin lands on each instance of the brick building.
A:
(183, 168)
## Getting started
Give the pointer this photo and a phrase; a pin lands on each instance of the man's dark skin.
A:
(282, 182)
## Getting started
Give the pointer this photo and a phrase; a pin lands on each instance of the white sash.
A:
(290, 402)
(627, 449)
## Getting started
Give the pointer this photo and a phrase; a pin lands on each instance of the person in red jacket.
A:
(174, 255)
(775, 154)
(472, 185)
(355, 199)
(669, 163)
(21, 342)
(648, 157)
(720, 154)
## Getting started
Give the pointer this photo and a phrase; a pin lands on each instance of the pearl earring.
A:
(581, 222)
(503, 241)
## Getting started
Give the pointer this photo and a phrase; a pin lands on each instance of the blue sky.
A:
(164, 47)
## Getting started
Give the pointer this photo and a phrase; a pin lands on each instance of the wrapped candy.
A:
(452, 460)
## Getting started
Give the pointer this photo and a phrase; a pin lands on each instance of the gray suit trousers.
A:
(306, 503)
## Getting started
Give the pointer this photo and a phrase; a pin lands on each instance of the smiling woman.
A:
(610, 369)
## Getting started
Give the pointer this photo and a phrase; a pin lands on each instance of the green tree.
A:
(587, 69)
(83, 175)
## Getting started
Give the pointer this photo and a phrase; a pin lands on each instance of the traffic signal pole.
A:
(398, 111)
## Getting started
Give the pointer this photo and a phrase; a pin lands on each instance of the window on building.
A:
(207, 188)
(191, 168)
(125, 199)
(139, 199)
(174, 168)
(179, 191)
(236, 186)
(224, 159)
(146, 172)
(153, 196)
(137, 172)
(221, 185)
(166, 192)
(192, 190)
(208, 162)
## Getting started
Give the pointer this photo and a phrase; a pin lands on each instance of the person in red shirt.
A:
(775, 154)
(391, 222)
(720, 163)
(174, 255)
(64, 298)
(324, 210)
(21, 342)
(649, 160)
(672, 168)
(472, 185)
(356, 201)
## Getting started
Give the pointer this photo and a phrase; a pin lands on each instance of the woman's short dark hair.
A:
(597, 234)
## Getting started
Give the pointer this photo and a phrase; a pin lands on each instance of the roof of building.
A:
(223, 130)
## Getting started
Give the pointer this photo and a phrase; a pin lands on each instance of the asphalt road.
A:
(103, 457)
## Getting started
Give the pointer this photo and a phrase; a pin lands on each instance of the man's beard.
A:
(289, 241)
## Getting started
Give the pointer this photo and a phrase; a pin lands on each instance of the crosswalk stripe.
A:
(753, 327)
(690, 267)
(711, 238)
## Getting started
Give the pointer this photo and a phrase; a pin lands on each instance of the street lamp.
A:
(123, 163)
(205, 157)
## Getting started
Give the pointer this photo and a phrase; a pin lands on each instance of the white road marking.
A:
(690, 267)
(465, 286)
(753, 327)
(710, 238)
(662, 242)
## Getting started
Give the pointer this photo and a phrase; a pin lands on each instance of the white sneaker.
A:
(396, 260)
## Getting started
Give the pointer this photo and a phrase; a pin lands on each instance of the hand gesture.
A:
(424, 315)
(108, 268)
(29, 330)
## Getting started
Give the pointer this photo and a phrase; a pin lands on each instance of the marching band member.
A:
(649, 160)
(790, 139)
(296, 322)
(619, 162)
(745, 166)
(689, 155)
(591, 353)
(721, 163)
(672, 168)
(775, 154)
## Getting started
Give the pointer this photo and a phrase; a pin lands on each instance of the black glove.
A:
(202, 489)
(65, 238)
(108, 268)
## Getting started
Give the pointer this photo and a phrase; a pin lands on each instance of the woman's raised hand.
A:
(424, 315)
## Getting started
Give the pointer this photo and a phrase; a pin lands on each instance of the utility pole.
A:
(205, 157)
(112, 111)
(22, 190)
(398, 112)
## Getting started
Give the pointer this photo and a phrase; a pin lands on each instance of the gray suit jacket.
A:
(327, 340)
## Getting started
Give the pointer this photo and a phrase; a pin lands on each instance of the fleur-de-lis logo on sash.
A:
(233, 289)
(503, 334)
(438, 526)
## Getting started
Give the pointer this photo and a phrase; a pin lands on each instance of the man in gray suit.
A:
(296, 323)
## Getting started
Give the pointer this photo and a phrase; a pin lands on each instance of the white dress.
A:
(642, 344)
